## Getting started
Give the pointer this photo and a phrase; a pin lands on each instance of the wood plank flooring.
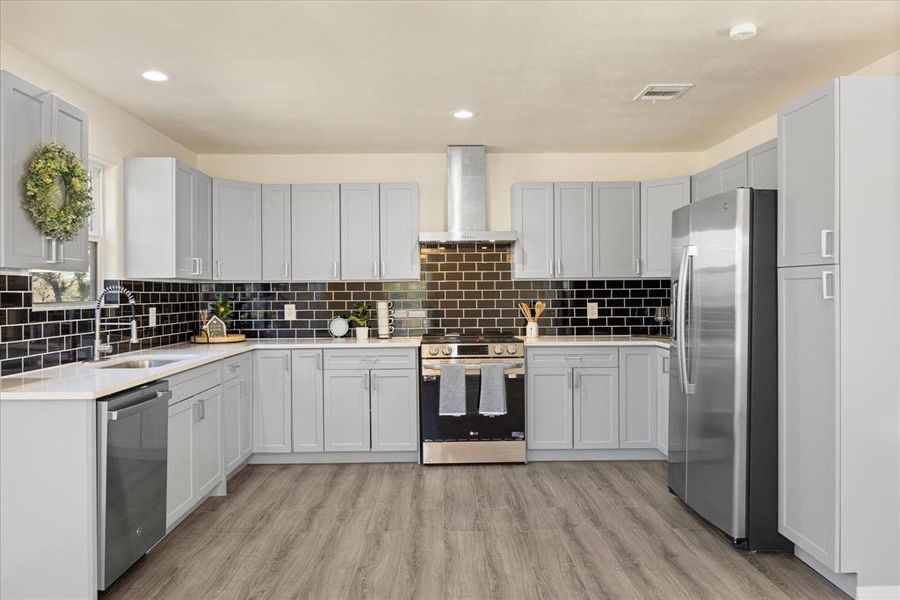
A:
(403, 531)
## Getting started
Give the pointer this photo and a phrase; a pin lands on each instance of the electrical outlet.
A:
(151, 316)
(592, 310)
(290, 312)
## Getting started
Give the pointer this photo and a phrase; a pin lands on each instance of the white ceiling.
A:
(286, 77)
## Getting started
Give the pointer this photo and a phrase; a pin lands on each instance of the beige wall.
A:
(114, 134)
(429, 171)
(767, 129)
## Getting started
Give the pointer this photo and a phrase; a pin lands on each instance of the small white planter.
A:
(531, 330)
(362, 333)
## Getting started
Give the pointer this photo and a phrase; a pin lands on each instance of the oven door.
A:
(472, 426)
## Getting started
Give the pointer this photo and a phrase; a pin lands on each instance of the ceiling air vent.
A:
(663, 91)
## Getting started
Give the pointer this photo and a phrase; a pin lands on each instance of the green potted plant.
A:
(359, 317)
(221, 308)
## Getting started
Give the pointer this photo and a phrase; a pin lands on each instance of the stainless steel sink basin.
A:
(147, 363)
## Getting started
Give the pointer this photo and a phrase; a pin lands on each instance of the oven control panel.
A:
(498, 350)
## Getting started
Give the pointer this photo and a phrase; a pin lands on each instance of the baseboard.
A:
(621, 454)
(882, 592)
(307, 458)
(846, 582)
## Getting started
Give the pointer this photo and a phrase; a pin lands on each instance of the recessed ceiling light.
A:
(154, 75)
(742, 31)
(463, 114)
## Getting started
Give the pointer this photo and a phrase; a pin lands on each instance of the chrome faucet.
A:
(102, 349)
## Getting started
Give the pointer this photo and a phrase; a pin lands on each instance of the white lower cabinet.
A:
(272, 401)
(237, 410)
(637, 397)
(195, 453)
(347, 410)
(549, 403)
(596, 408)
(394, 407)
(662, 400)
(307, 398)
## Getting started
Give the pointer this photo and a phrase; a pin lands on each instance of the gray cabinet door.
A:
(315, 232)
(399, 214)
(232, 392)
(272, 401)
(209, 468)
(637, 398)
(395, 414)
(807, 171)
(360, 244)
(237, 230)
(658, 199)
(549, 408)
(808, 410)
(69, 127)
(347, 411)
(201, 224)
(733, 172)
(706, 183)
(573, 230)
(180, 461)
(24, 127)
(662, 400)
(307, 401)
(617, 229)
(186, 263)
(276, 232)
(596, 408)
(762, 166)
(532, 220)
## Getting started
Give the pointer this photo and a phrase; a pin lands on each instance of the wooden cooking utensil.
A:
(525, 311)
(539, 307)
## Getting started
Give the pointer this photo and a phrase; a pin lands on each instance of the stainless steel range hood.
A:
(466, 217)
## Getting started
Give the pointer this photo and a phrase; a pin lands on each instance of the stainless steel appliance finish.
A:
(132, 445)
(466, 205)
(143, 363)
(472, 438)
(723, 395)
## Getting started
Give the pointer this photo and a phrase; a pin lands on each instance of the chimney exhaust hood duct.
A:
(466, 216)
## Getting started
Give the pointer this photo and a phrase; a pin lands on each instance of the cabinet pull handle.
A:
(382, 268)
(366, 381)
(319, 361)
(558, 267)
(195, 412)
(218, 268)
(665, 364)
(826, 275)
(551, 267)
(203, 409)
(375, 267)
(200, 268)
(334, 271)
(637, 266)
(52, 258)
(284, 359)
(286, 267)
(578, 379)
(195, 264)
(62, 252)
(569, 379)
(374, 382)
(823, 241)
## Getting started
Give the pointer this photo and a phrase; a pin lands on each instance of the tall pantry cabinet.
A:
(838, 258)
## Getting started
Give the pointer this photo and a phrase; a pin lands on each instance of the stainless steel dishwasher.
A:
(132, 444)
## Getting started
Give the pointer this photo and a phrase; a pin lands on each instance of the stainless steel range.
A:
(472, 437)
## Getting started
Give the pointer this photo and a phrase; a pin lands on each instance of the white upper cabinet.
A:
(658, 199)
(29, 118)
(762, 166)
(727, 175)
(315, 232)
(237, 230)
(807, 180)
(168, 220)
(573, 223)
(276, 232)
(532, 220)
(360, 243)
(399, 216)
(617, 229)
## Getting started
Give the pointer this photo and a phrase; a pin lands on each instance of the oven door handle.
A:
(429, 374)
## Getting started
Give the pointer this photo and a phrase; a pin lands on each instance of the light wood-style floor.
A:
(403, 531)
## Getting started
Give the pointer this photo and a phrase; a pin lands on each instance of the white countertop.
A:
(597, 340)
(88, 381)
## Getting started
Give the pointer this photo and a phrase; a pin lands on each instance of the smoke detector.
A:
(663, 91)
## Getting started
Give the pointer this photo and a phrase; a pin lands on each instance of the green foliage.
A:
(57, 216)
(360, 315)
(221, 308)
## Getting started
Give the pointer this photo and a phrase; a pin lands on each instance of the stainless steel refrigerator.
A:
(723, 404)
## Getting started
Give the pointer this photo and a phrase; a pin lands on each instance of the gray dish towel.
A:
(493, 390)
(452, 391)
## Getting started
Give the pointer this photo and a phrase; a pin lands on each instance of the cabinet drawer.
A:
(237, 367)
(404, 358)
(603, 357)
(189, 383)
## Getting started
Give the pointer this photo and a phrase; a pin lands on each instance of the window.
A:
(52, 288)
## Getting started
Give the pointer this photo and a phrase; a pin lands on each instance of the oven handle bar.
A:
(430, 374)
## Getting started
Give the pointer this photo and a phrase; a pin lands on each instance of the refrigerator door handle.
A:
(685, 269)
(823, 242)
(826, 275)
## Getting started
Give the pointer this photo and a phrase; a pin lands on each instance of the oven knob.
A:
(498, 349)
(446, 350)
(511, 349)
(433, 350)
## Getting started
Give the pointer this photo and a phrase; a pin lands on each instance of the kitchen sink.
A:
(147, 363)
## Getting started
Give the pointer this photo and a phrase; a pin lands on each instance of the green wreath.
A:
(60, 219)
